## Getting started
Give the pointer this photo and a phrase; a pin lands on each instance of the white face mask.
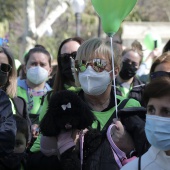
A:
(94, 83)
(37, 75)
(157, 131)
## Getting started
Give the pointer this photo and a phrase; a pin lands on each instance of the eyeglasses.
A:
(6, 68)
(97, 64)
(66, 56)
(159, 74)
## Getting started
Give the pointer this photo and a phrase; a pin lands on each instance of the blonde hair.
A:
(11, 86)
(96, 48)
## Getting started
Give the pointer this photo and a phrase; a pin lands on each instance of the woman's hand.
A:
(121, 137)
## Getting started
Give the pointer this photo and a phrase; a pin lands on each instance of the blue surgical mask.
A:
(157, 131)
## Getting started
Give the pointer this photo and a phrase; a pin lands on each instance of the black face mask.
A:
(66, 68)
(3, 78)
(128, 71)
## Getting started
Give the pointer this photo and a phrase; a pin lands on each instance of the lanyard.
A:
(31, 94)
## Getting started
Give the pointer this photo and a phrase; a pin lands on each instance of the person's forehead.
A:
(38, 57)
(131, 55)
(160, 101)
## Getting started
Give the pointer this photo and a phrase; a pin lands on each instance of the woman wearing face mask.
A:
(64, 79)
(128, 85)
(34, 88)
(157, 127)
(67, 51)
(94, 73)
(8, 85)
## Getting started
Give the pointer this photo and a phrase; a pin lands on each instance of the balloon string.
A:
(114, 83)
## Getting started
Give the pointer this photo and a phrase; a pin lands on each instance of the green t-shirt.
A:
(36, 100)
(103, 117)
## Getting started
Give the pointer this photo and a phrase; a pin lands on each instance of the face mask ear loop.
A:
(114, 83)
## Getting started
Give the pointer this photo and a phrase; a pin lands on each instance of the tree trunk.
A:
(32, 33)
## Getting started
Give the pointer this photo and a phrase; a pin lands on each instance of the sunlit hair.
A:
(37, 49)
(59, 79)
(11, 86)
(164, 58)
(157, 88)
(97, 48)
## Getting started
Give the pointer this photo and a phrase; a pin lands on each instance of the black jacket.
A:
(7, 125)
(136, 92)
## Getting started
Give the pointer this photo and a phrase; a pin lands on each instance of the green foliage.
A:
(64, 27)
(7, 9)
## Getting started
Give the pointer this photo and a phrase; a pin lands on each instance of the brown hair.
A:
(164, 58)
(96, 47)
(37, 49)
(157, 88)
(11, 86)
(59, 81)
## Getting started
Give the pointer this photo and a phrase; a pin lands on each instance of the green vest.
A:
(36, 99)
(103, 117)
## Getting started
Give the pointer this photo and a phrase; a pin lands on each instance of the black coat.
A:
(7, 126)
(136, 92)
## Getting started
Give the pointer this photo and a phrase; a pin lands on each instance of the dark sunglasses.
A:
(66, 56)
(97, 64)
(159, 74)
(6, 68)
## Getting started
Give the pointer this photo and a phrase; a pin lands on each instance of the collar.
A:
(112, 100)
(72, 88)
(155, 156)
(23, 84)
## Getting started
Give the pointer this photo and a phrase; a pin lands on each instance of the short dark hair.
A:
(37, 49)
(59, 81)
(164, 58)
(157, 88)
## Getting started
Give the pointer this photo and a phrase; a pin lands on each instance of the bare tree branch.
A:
(51, 18)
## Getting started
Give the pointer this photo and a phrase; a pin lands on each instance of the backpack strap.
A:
(139, 163)
(20, 106)
(109, 122)
(21, 110)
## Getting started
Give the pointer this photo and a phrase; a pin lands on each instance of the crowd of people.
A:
(75, 117)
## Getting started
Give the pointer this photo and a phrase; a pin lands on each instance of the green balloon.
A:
(152, 41)
(112, 13)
